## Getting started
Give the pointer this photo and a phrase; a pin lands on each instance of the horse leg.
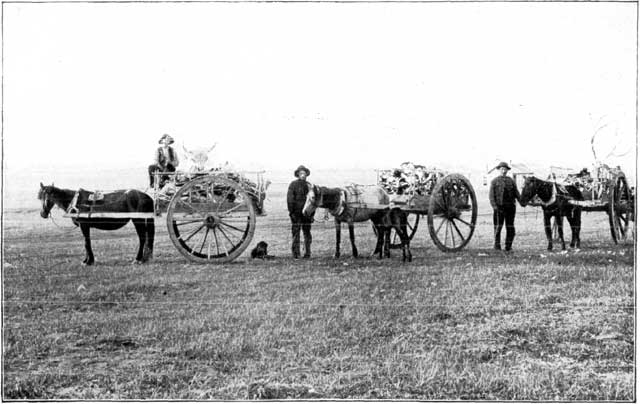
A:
(150, 230)
(574, 221)
(141, 231)
(577, 220)
(546, 217)
(401, 229)
(338, 225)
(387, 241)
(379, 239)
(560, 231)
(86, 232)
(352, 238)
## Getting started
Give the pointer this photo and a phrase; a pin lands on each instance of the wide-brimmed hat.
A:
(503, 164)
(165, 136)
(301, 168)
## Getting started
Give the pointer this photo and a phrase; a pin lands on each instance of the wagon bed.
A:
(607, 192)
(448, 200)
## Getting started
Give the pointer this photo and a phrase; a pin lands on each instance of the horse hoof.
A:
(336, 256)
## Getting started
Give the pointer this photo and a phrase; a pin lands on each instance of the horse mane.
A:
(58, 195)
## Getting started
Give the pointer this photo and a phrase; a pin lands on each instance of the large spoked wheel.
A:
(211, 220)
(620, 208)
(453, 210)
(412, 227)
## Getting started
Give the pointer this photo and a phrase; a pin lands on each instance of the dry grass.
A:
(474, 325)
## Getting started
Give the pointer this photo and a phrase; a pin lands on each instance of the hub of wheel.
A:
(211, 221)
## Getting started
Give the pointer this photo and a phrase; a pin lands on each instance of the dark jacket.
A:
(162, 161)
(503, 192)
(297, 196)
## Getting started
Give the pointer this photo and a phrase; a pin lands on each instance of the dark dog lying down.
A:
(260, 251)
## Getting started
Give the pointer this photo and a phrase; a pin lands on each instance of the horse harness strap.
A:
(86, 199)
(342, 204)
(554, 194)
(72, 206)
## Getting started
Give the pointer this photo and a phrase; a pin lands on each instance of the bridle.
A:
(312, 200)
(47, 203)
(536, 187)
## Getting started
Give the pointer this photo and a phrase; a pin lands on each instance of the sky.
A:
(328, 85)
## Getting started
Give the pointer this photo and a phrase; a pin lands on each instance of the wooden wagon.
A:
(210, 216)
(447, 200)
(608, 191)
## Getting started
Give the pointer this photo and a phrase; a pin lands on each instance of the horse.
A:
(555, 202)
(122, 201)
(338, 201)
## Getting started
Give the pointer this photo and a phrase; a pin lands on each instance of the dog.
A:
(260, 251)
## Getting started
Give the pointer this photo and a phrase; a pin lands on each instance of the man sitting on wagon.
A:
(166, 160)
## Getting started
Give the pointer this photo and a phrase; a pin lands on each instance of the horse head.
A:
(45, 196)
(312, 203)
(529, 189)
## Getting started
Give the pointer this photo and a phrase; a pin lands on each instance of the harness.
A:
(93, 199)
(554, 193)
(342, 203)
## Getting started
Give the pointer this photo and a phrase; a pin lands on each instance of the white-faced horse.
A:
(347, 205)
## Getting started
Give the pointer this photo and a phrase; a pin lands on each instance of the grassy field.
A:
(477, 324)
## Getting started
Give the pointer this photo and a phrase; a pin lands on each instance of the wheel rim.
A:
(619, 207)
(211, 219)
(453, 211)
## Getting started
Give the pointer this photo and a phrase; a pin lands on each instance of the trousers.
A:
(155, 167)
(504, 215)
(300, 223)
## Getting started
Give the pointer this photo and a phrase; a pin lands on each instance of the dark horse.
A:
(339, 202)
(129, 201)
(554, 200)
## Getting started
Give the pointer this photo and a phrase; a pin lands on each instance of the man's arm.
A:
(290, 201)
(176, 159)
(492, 195)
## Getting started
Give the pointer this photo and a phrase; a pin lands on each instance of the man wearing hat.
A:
(503, 195)
(296, 197)
(166, 160)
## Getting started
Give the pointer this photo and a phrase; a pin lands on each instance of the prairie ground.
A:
(478, 324)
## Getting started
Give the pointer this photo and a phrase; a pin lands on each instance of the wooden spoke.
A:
(460, 206)
(227, 234)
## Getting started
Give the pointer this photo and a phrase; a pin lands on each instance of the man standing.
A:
(503, 195)
(165, 160)
(296, 197)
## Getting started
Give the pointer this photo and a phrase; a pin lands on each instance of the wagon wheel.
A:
(211, 219)
(619, 208)
(453, 210)
(412, 227)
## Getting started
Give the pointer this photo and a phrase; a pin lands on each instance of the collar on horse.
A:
(342, 202)
(554, 194)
